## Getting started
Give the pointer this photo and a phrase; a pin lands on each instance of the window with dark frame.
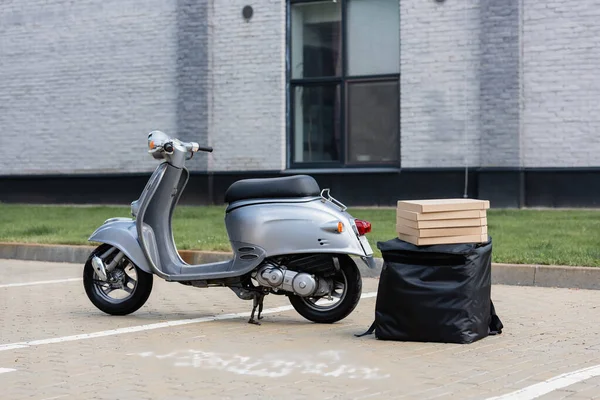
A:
(344, 83)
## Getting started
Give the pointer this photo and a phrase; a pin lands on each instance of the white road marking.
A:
(5, 370)
(552, 384)
(271, 365)
(141, 328)
(8, 285)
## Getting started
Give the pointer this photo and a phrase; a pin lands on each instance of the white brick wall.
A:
(439, 53)
(83, 82)
(499, 83)
(561, 73)
(247, 79)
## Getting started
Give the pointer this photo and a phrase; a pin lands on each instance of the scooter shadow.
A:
(151, 317)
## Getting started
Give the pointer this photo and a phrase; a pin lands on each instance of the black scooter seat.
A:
(269, 188)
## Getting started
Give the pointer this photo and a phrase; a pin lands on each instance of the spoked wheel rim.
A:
(120, 287)
(338, 294)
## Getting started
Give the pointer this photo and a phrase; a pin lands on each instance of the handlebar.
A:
(195, 147)
(159, 143)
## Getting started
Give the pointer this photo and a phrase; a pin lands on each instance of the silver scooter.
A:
(288, 238)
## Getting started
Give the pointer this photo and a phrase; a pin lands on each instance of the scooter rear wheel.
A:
(125, 293)
(348, 288)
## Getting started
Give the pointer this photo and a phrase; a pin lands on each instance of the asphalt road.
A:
(189, 343)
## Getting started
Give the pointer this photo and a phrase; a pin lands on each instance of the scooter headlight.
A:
(156, 141)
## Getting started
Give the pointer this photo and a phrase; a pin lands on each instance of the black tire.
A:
(344, 307)
(138, 297)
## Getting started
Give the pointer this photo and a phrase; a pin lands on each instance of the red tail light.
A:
(362, 226)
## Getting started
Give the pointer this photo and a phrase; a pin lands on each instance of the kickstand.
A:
(257, 302)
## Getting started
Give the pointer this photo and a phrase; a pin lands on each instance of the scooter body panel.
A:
(295, 228)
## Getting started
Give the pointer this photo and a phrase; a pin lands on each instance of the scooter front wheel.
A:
(347, 288)
(124, 292)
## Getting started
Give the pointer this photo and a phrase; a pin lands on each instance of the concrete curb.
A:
(502, 274)
(547, 276)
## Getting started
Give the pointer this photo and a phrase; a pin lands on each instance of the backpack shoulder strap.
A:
(496, 325)
(369, 331)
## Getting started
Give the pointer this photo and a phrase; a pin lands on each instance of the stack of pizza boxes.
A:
(443, 221)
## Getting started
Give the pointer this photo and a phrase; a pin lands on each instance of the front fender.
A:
(122, 234)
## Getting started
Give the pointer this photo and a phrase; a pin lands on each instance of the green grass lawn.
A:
(561, 237)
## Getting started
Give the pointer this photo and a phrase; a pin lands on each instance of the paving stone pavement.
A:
(548, 332)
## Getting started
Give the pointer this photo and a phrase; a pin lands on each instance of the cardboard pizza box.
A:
(441, 232)
(415, 216)
(443, 240)
(439, 205)
(442, 223)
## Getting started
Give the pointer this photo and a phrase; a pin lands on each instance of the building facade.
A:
(379, 100)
